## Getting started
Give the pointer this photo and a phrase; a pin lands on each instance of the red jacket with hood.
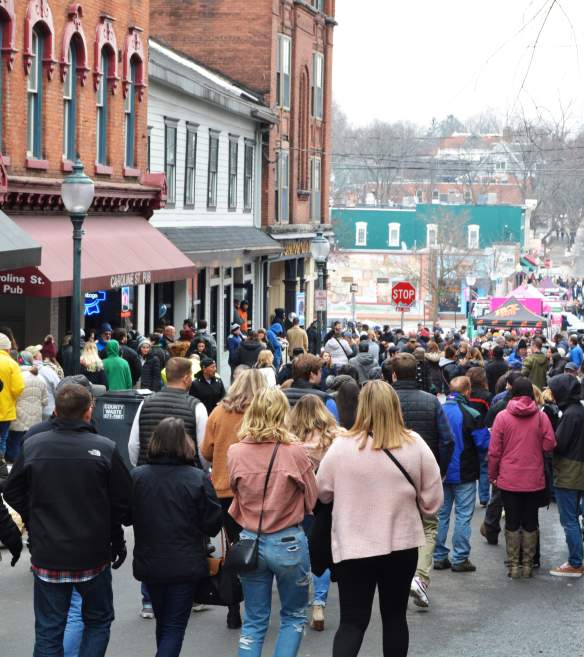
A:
(519, 437)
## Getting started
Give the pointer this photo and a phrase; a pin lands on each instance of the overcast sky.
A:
(419, 59)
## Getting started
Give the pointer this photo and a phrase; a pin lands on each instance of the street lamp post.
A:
(77, 192)
(470, 281)
(320, 249)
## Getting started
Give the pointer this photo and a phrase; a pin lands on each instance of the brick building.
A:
(280, 50)
(73, 81)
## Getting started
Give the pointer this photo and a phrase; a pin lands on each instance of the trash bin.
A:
(114, 414)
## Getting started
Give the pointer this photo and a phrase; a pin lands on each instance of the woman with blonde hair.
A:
(376, 528)
(316, 428)
(221, 432)
(92, 365)
(265, 364)
(274, 487)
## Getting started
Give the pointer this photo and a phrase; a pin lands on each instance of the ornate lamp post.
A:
(320, 249)
(77, 192)
(470, 281)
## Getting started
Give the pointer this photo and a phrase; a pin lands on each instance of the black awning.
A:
(222, 245)
(512, 314)
(17, 249)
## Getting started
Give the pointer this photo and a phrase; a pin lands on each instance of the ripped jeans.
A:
(283, 555)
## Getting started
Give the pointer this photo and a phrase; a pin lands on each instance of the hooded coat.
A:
(117, 370)
(535, 369)
(339, 349)
(363, 362)
(519, 437)
(569, 452)
(274, 344)
(434, 372)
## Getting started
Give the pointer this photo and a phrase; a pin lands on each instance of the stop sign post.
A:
(403, 297)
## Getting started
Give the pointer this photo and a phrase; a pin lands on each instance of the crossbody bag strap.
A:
(343, 348)
(266, 486)
(401, 468)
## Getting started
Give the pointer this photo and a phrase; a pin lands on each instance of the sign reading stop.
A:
(403, 295)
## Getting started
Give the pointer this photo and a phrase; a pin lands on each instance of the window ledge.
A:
(33, 163)
(131, 172)
(103, 169)
(247, 210)
(188, 206)
(303, 193)
(66, 165)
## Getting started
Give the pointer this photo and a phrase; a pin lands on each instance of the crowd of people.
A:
(343, 465)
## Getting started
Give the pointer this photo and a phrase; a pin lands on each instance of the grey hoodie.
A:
(363, 363)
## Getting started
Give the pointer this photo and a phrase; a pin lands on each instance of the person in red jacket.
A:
(519, 437)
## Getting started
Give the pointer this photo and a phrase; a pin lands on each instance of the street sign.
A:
(320, 300)
(354, 288)
(403, 295)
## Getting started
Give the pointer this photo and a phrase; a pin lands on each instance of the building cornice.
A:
(26, 193)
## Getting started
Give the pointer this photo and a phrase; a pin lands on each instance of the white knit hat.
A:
(5, 343)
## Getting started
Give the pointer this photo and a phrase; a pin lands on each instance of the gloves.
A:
(15, 550)
(119, 554)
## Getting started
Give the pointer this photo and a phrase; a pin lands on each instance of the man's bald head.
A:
(461, 384)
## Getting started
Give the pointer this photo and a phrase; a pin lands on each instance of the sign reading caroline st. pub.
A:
(32, 282)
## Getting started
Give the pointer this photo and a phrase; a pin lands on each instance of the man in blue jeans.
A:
(470, 437)
(73, 492)
(568, 462)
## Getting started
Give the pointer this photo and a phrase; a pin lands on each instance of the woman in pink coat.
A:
(519, 437)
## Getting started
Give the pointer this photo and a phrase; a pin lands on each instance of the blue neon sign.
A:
(93, 301)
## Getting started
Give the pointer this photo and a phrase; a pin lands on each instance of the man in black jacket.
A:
(495, 368)
(73, 492)
(423, 414)
(248, 351)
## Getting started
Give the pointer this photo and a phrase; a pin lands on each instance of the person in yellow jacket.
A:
(11, 386)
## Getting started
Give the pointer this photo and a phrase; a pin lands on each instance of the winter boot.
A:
(513, 542)
(529, 542)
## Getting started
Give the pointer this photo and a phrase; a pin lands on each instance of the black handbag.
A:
(319, 539)
(242, 557)
(220, 588)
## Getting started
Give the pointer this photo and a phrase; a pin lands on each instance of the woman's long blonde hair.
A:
(245, 387)
(265, 359)
(90, 358)
(310, 415)
(379, 415)
(266, 418)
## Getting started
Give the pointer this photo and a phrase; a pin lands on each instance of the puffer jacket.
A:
(519, 437)
(434, 372)
(422, 413)
(11, 388)
(340, 350)
(30, 404)
(569, 453)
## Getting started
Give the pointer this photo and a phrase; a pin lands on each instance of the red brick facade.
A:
(59, 21)
(239, 39)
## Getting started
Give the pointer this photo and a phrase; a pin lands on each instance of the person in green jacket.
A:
(117, 370)
(536, 364)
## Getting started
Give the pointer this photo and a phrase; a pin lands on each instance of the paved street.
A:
(473, 615)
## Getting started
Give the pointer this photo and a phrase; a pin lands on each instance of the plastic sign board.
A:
(403, 295)
(320, 300)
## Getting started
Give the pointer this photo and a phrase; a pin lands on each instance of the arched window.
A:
(35, 95)
(133, 85)
(70, 107)
(103, 107)
(38, 57)
(74, 69)
(130, 110)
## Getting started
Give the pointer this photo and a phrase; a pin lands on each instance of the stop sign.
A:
(403, 294)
